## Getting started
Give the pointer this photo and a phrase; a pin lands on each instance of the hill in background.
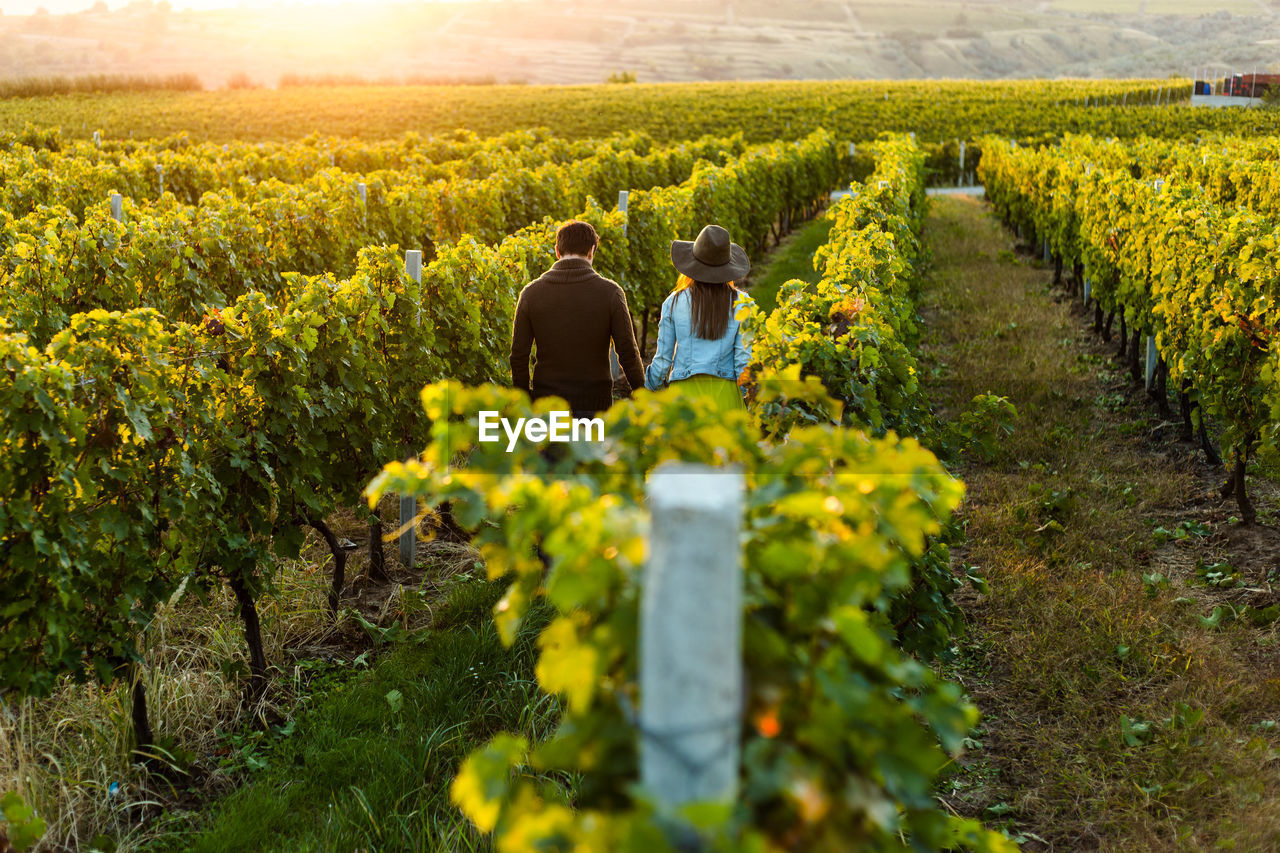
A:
(562, 41)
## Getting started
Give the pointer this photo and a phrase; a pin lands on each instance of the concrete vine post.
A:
(408, 503)
(615, 367)
(691, 683)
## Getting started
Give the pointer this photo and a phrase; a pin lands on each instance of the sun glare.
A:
(67, 7)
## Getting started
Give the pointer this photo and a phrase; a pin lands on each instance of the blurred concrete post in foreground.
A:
(691, 636)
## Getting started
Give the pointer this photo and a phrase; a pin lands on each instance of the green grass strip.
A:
(792, 259)
(370, 766)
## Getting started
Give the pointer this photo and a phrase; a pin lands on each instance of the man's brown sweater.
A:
(571, 313)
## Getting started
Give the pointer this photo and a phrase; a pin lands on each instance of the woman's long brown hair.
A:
(712, 306)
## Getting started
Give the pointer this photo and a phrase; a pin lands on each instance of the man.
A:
(570, 314)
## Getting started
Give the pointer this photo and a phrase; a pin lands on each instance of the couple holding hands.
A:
(571, 313)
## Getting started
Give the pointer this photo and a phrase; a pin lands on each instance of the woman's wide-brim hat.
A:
(712, 258)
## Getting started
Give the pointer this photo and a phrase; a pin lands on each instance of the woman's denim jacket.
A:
(681, 354)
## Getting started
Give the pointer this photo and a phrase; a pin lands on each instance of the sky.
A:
(61, 7)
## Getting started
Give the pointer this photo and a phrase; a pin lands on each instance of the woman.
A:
(700, 347)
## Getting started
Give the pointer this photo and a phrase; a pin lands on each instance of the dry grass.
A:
(1090, 656)
(64, 753)
(55, 84)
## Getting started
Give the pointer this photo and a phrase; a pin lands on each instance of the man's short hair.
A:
(576, 237)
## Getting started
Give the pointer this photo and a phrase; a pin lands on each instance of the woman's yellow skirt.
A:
(723, 392)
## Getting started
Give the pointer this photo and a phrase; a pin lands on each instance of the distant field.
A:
(937, 110)
(542, 42)
(1194, 7)
(935, 20)
(1098, 7)
(1156, 7)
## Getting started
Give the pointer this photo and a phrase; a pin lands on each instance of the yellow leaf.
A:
(567, 665)
(483, 781)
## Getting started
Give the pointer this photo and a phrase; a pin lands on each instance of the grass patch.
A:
(68, 754)
(369, 766)
(1117, 716)
(793, 258)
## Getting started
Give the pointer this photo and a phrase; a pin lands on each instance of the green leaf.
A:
(23, 826)
(854, 627)
(1217, 617)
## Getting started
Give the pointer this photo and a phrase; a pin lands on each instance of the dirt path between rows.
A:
(1125, 656)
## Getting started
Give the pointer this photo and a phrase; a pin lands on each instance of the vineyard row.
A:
(182, 259)
(79, 175)
(936, 110)
(1171, 261)
(844, 577)
(143, 453)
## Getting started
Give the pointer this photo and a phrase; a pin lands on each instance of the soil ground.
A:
(1124, 655)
